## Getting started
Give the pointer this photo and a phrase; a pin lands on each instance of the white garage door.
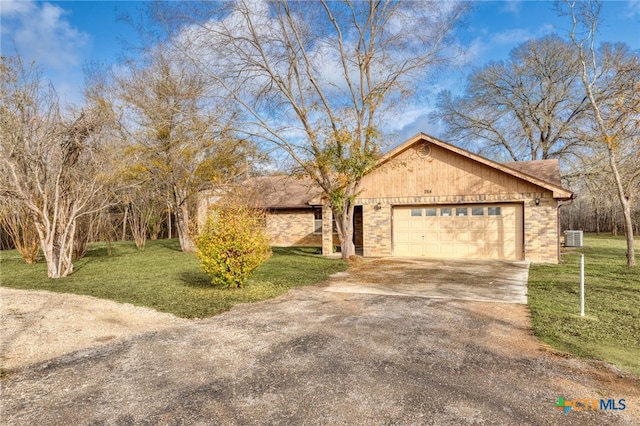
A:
(479, 231)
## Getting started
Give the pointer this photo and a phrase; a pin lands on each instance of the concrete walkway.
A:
(476, 280)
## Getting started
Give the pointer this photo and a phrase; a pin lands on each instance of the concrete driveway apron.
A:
(461, 279)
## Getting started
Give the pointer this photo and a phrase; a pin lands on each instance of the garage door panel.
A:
(478, 223)
(460, 250)
(446, 237)
(417, 238)
(478, 236)
(493, 236)
(431, 235)
(476, 251)
(463, 237)
(446, 250)
(492, 231)
(431, 251)
(403, 249)
(402, 224)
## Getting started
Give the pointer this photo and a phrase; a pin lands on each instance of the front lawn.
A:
(610, 329)
(163, 278)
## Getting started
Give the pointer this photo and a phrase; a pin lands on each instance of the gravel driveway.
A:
(319, 357)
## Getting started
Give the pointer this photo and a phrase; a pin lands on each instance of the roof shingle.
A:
(546, 170)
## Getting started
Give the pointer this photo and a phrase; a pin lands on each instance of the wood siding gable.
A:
(427, 167)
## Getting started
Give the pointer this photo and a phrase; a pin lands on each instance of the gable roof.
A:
(543, 173)
(287, 192)
(547, 170)
(282, 192)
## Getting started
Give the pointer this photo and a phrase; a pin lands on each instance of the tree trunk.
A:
(124, 223)
(182, 221)
(58, 252)
(170, 227)
(344, 222)
(608, 140)
(626, 211)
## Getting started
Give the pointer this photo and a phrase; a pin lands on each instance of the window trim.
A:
(497, 211)
(317, 218)
(476, 209)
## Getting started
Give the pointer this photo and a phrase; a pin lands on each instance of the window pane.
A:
(416, 212)
(494, 211)
(461, 211)
(430, 212)
(477, 211)
(317, 221)
(445, 211)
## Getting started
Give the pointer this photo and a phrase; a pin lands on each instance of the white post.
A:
(582, 285)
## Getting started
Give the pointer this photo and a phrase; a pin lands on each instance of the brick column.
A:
(541, 231)
(327, 229)
(376, 230)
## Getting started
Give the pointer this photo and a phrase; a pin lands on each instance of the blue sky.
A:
(62, 36)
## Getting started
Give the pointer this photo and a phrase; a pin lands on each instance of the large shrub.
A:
(232, 244)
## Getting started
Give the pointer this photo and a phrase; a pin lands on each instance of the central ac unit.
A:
(573, 238)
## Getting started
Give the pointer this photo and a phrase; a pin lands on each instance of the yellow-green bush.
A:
(232, 245)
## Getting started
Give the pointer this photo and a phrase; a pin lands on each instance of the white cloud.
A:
(633, 8)
(41, 32)
(511, 6)
(509, 37)
(14, 7)
(500, 43)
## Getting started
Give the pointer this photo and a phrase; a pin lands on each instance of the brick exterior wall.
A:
(376, 230)
(541, 237)
(292, 228)
(327, 228)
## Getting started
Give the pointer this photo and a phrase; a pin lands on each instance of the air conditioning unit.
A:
(573, 238)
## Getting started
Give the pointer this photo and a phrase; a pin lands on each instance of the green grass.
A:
(163, 278)
(610, 329)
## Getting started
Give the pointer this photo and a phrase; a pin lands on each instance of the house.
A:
(428, 198)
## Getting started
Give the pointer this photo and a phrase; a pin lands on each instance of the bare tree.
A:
(318, 79)
(177, 142)
(528, 107)
(611, 80)
(17, 222)
(49, 161)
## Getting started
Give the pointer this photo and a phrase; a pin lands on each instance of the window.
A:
(416, 212)
(445, 211)
(477, 211)
(317, 221)
(461, 211)
(493, 211)
(431, 212)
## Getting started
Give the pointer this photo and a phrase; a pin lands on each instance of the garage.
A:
(476, 231)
